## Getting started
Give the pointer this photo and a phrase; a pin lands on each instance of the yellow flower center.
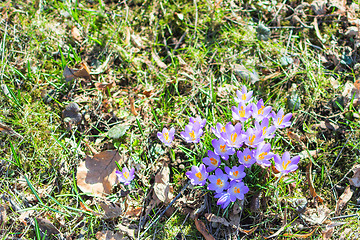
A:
(247, 158)
(233, 137)
(166, 136)
(213, 161)
(252, 139)
(236, 173)
(262, 155)
(222, 148)
(261, 110)
(192, 135)
(199, 176)
(281, 120)
(243, 97)
(264, 130)
(223, 129)
(126, 175)
(242, 112)
(236, 190)
(285, 165)
(219, 182)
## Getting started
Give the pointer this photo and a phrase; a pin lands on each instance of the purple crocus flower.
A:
(223, 199)
(212, 161)
(218, 182)
(267, 132)
(237, 190)
(243, 96)
(260, 111)
(197, 175)
(263, 155)
(125, 176)
(219, 128)
(235, 173)
(233, 136)
(166, 136)
(193, 120)
(281, 120)
(253, 137)
(192, 133)
(221, 149)
(285, 164)
(246, 157)
(241, 112)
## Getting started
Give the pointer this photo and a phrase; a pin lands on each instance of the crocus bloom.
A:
(263, 155)
(192, 133)
(212, 161)
(235, 173)
(218, 182)
(237, 190)
(193, 120)
(223, 199)
(246, 157)
(260, 111)
(233, 136)
(285, 164)
(219, 129)
(125, 176)
(221, 149)
(243, 96)
(241, 112)
(166, 136)
(197, 175)
(281, 120)
(267, 132)
(253, 137)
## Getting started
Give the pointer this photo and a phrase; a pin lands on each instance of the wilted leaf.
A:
(315, 216)
(246, 74)
(118, 131)
(319, 7)
(46, 226)
(296, 138)
(158, 60)
(75, 33)
(344, 198)
(132, 106)
(200, 226)
(307, 153)
(96, 174)
(112, 210)
(105, 87)
(71, 115)
(8, 130)
(355, 180)
(129, 230)
(352, 31)
(311, 184)
(339, 4)
(109, 235)
(216, 219)
(2, 215)
(134, 212)
(70, 74)
(161, 186)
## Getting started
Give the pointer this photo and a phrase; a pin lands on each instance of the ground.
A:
(87, 85)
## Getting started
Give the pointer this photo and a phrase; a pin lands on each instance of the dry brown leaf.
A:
(132, 106)
(300, 235)
(134, 212)
(200, 226)
(105, 87)
(311, 184)
(158, 60)
(319, 7)
(355, 180)
(129, 230)
(315, 216)
(83, 72)
(96, 174)
(75, 33)
(112, 210)
(46, 226)
(216, 219)
(296, 138)
(344, 198)
(8, 130)
(307, 153)
(339, 4)
(162, 186)
(328, 232)
(2, 216)
(109, 235)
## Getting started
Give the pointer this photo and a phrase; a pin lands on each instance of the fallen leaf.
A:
(118, 131)
(132, 106)
(112, 210)
(216, 219)
(296, 138)
(319, 7)
(263, 32)
(355, 180)
(307, 153)
(158, 60)
(352, 31)
(307, 235)
(345, 233)
(200, 226)
(71, 115)
(8, 130)
(75, 33)
(339, 4)
(129, 230)
(105, 87)
(96, 175)
(70, 74)
(315, 216)
(24, 216)
(344, 198)
(161, 186)
(134, 212)
(246, 74)
(2, 216)
(109, 235)
(311, 184)
(46, 226)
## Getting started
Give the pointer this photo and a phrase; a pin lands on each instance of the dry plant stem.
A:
(163, 212)
(344, 216)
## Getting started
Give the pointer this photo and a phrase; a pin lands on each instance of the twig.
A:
(345, 216)
(163, 212)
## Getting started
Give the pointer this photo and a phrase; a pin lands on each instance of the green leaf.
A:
(118, 131)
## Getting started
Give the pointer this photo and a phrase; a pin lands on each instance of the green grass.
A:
(38, 171)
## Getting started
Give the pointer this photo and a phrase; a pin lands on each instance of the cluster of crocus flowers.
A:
(237, 146)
